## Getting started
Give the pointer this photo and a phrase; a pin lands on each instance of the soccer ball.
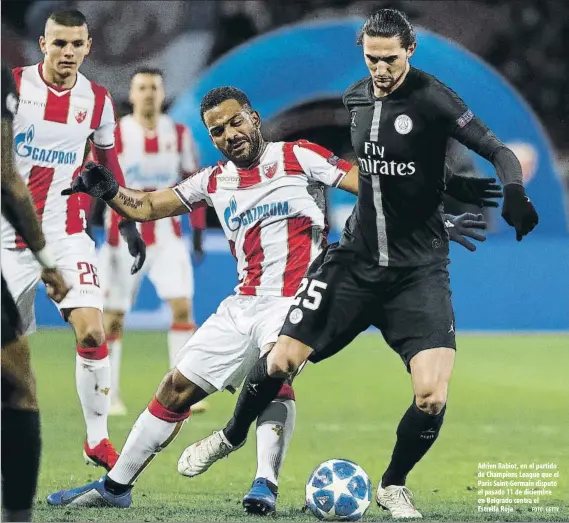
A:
(338, 489)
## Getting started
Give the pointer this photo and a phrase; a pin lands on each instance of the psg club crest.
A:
(270, 170)
(80, 114)
(403, 124)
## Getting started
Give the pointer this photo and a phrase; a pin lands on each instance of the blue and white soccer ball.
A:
(338, 489)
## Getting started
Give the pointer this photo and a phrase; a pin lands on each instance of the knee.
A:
(177, 393)
(431, 401)
(280, 365)
(91, 336)
(180, 311)
(114, 323)
(286, 357)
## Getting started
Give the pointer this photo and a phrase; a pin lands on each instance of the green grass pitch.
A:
(508, 403)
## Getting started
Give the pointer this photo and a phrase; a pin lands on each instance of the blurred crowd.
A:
(526, 40)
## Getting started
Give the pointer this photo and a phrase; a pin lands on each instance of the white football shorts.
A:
(76, 258)
(167, 265)
(223, 350)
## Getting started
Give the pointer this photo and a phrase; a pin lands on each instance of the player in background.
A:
(154, 152)
(390, 267)
(21, 436)
(59, 110)
(269, 197)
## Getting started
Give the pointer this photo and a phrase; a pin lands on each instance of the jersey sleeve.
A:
(450, 110)
(320, 164)
(188, 152)
(104, 136)
(460, 123)
(9, 95)
(194, 189)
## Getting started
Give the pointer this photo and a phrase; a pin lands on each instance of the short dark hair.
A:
(388, 23)
(148, 70)
(68, 18)
(219, 95)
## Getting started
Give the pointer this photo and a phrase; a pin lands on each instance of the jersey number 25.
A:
(313, 294)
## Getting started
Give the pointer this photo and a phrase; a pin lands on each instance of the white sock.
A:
(93, 380)
(274, 432)
(148, 436)
(178, 335)
(115, 353)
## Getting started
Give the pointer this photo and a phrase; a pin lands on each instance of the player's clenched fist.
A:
(96, 180)
(55, 285)
(518, 211)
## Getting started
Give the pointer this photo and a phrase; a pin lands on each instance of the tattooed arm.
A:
(140, 206)
(143, 206)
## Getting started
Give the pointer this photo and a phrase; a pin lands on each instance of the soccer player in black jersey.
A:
(21, 442)
(390, 266)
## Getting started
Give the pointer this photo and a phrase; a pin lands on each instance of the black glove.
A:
(476, 191)
(198, 245)
(518, 211)
(136, 245)
(465, 225)
(96, 180)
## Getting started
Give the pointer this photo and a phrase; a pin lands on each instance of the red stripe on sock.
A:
(286, 392)
(161, 412)
(182, 327)
(94, 353)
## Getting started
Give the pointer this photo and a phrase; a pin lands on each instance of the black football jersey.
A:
(400, 141)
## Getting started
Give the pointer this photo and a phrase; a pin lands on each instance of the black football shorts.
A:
(344, 294)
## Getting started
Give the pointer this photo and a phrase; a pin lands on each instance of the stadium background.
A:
(508, 400)
(295, 76)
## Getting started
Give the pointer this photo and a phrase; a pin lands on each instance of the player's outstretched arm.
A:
(99, 182)
(142, 206)
(464, 126)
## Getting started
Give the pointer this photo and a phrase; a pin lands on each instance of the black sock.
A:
(416, 433)
(258, 391)
(21, 449)
(116, 488)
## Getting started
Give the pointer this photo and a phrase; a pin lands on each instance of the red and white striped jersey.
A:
(150, 160)
(273, 214)
(51, 129)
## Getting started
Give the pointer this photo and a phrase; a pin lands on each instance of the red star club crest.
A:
(270, 170)
(80, 114)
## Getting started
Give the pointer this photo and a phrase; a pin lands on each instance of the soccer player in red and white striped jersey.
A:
(154, 152)
(59, 110)
(269, 197)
